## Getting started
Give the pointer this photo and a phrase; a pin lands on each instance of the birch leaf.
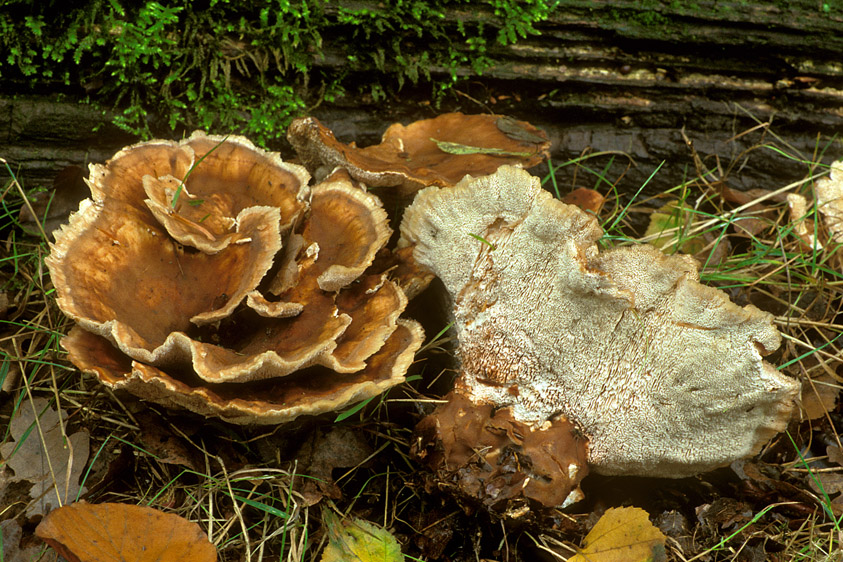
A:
(623, 534)
(356, 540)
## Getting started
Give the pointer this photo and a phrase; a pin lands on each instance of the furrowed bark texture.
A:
(624, 76)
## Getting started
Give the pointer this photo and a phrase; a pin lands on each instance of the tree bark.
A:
(750, 87)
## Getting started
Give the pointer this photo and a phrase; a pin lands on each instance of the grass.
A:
(249, 489)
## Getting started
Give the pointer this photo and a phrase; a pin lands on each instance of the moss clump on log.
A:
(244, 66)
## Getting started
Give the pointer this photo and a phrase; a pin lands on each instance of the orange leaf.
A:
(113, 532)
(586, 199)
(623, 535)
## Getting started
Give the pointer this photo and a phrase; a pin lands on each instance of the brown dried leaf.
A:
(623, 534)
(342, 447)
(163, 443)
(53, 464)
(803, 227)
(588, 200)
(14, 547)
(819, 396)
(835, 454)
(112, 532)
(829, 484)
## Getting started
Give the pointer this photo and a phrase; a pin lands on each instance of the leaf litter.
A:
(40, 453)
(114, 532)
(623, 534)
(785, 512)
(353, 539)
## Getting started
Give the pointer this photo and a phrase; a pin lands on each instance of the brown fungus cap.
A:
(349, 226)
(438, 151)
(120, 273)
(310, 392)
(233, 173)
(665, 375)
(486, 455)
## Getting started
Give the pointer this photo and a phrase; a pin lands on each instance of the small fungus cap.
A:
(665, 375)
(438, 151)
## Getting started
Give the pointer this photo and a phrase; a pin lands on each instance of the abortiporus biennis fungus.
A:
(438, 151)
(206, 274)
(620, 354)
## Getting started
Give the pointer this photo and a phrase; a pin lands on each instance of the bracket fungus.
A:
(829, 194)
(661, 375)
(438, 151)
(207, 274)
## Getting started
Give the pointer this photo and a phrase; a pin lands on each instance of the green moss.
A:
(246, 66)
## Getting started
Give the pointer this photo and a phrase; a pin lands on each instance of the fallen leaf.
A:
(588, 200)
(829, 484)
(829, 193)
(164, 444)
(819, 396)
(355, 540)
(341, 447)
(9, 367)
(53, 464)
(835, 454)
(668, 224)
(457, 148)
(14, 547)
(724, 514)
(114, 532)
(623, 534)
(436, 528)
(803, 227)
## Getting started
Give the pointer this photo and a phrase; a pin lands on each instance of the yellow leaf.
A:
(623, 534)
(356, 540)
(663, 222)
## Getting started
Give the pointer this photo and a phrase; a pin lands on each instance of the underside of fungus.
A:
(207, 274)
(663, 376)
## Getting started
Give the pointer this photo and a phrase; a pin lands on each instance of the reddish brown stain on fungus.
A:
(488, 456)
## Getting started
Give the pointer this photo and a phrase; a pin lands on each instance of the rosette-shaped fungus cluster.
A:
(572, 358)
(207, 274)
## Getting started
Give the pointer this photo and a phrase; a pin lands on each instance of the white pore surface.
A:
(665, 375)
